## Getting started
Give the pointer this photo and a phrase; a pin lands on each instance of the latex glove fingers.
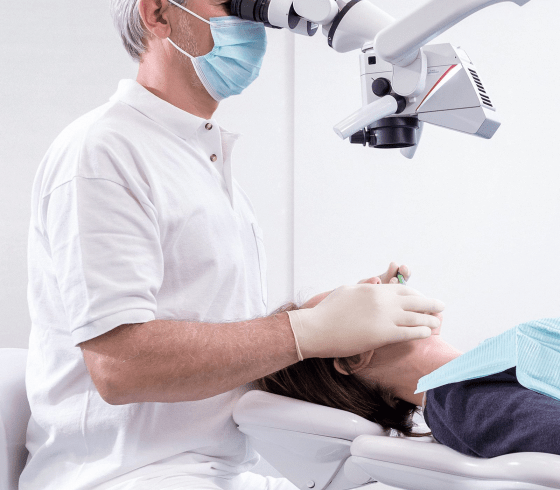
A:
(412, 319)
(406, 334)
(405, 271)
(403, 290)
(421, 304)
(371, 280)
(439, 316)
(355, 319)
(387, 277)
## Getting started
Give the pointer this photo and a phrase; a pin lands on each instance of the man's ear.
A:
(154, 14)
(357, 363)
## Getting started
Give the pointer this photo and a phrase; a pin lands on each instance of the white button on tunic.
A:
(132, 222)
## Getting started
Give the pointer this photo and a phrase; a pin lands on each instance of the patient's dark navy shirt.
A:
(494, 415)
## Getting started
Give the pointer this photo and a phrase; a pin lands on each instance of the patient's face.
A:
(404, 354)
(400, 366)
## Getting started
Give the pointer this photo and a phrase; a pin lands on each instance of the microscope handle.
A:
(368, 114)
(399, 42)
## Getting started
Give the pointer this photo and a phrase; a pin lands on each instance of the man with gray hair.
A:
(145, 253)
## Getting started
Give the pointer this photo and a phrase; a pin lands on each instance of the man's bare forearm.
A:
(175, 361)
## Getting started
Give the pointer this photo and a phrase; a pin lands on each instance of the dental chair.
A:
(14, 416)
(313, 446)
(328, 449)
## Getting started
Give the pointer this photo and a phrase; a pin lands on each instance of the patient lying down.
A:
(483, 417)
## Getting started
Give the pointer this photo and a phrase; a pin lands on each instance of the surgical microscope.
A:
(406, 82)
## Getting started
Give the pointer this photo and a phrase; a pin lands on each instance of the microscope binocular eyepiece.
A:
(254, 10)
(277, 14)
(347, 24)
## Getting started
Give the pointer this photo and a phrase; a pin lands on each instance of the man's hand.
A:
(355, 319)
(389, 277)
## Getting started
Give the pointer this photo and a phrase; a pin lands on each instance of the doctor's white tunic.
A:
(135, 217)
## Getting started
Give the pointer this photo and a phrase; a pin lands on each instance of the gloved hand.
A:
(390, 276)
(355, 319)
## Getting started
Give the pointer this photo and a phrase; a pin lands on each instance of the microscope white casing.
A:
(453, 97)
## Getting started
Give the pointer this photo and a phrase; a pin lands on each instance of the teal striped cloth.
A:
(533, 347)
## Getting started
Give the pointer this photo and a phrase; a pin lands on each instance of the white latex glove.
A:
(356, 319)
(390, 276)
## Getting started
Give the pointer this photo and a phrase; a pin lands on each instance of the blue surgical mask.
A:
(235, 61)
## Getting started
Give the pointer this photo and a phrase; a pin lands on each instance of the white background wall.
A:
(58, 62)
(476, 220)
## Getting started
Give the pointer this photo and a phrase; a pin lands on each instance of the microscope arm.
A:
(399, 42)
(393, 50)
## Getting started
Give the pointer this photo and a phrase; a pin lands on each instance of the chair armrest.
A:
(530, 468)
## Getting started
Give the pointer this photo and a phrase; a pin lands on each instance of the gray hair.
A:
(127, 20)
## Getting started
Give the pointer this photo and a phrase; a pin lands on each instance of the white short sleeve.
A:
(106, 252)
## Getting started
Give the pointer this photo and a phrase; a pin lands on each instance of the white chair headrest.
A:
(258, 408)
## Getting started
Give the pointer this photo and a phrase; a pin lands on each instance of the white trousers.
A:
(244, 481)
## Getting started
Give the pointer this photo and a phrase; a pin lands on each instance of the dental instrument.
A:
(405, 82)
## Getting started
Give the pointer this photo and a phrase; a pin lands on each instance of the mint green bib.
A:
(533, 347)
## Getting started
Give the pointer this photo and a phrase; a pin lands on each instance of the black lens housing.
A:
(254, 10)
(389, 132)
(257, 11)
(394, 132)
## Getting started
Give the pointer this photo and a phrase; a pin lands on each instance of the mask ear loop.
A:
(195, 15)
(189, 11)
(181, 50)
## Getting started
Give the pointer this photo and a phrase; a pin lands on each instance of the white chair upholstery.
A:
(14, 416)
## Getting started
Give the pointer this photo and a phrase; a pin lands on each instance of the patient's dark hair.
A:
(316, 380)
